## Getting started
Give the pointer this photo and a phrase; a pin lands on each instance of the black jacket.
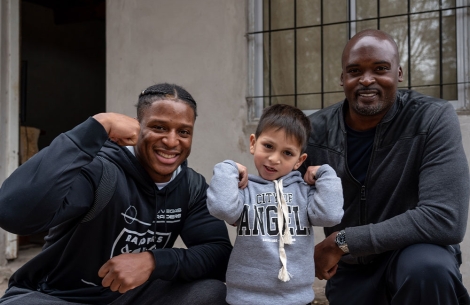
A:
(57, 186)
(417, 185)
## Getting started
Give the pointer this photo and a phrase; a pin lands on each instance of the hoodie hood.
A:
(127, 162)
(292, 177)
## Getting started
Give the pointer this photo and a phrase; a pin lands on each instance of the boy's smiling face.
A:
(275, 154)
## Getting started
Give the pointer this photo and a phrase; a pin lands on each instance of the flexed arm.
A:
(325, 200)
(58, 183)
(224, 199)
(120, 128)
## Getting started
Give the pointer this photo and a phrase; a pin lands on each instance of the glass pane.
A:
(424, 49)
(335, 11)
(289, 100)
(397, 28)
(282, 61)
(267, 102)
(392, 7)
(308, 12)
(448, 3)
(265, 14)
(364, 25)
(402, 84)
(449, 92)
(449, 48)
(310, 101)
(335, 38)
(431, 90)
(366, 9)
(309, 60)
(332, 98)
(423, 5)
(282, 14)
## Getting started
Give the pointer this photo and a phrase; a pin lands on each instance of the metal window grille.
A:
(437, 27)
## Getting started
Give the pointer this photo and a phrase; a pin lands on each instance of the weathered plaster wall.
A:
(9, 105)
(465, 245)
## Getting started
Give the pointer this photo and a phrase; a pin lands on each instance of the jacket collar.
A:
(396, 106)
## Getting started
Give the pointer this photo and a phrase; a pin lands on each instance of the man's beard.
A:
(371, 110)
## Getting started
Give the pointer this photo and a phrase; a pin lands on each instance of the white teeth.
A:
(166, 156)
(367, 95)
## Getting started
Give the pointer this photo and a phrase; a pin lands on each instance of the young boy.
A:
(272, 259)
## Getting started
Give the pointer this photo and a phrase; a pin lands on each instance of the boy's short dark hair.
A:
(280, 116)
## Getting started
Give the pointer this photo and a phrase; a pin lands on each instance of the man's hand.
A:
(242, 176)
(127, 271)
(327, 255)
(310, 175)
(121, 128)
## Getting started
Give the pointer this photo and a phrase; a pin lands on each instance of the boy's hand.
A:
(242, 176)
(310, 175)
(121, 128)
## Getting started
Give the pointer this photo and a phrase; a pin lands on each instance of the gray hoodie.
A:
(255, 263)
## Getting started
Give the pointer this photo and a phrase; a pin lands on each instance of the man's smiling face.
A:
(370, 75)
(166, 133)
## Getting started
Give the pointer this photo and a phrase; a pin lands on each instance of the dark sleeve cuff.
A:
(164, 264)
(89, 136)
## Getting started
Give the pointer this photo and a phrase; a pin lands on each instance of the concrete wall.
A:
(465, 246)
(9, 97)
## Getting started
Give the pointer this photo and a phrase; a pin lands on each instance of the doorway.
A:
(62, 73)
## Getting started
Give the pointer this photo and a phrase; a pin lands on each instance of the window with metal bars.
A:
(296, 45)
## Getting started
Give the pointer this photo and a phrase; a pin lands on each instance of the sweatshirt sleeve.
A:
(224, 199)
(35, 197)
(440, 216)
(208, 247)
(325, 199)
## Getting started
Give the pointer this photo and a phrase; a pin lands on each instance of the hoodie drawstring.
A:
(156, 215)
(284, 233)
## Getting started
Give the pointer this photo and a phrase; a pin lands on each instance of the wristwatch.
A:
(340, 241)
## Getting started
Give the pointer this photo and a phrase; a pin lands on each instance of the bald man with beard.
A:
(405, 181)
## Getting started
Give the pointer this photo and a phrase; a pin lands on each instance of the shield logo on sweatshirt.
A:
(131, 241)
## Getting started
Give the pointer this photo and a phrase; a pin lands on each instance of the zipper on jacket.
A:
(362, 200)
(363, 205)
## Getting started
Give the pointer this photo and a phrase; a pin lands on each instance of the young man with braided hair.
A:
(118, 250)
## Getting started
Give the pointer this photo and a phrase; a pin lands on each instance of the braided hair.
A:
(161, 92)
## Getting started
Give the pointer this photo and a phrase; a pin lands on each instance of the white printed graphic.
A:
(129, 241)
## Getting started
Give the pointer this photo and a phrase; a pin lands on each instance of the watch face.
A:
(341, 241)
(340, 238)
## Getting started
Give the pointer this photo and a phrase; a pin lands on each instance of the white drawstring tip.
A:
(287, 237)
(284, 275)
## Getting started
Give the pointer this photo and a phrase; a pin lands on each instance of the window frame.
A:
(255, 97)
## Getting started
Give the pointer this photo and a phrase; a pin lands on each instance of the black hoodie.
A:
(57, 187)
